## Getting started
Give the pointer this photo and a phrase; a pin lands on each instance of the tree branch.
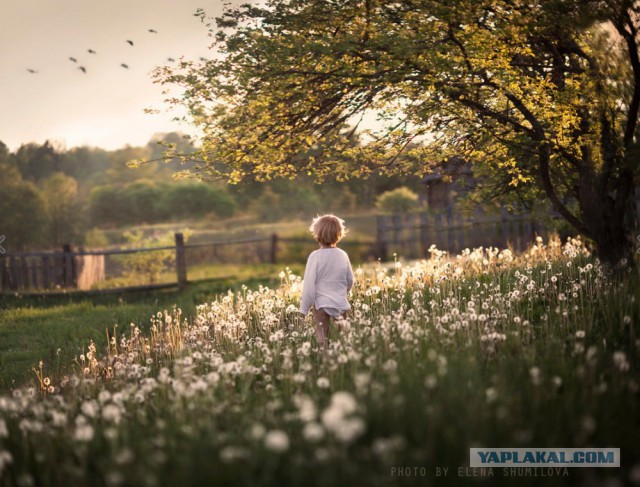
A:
(630, 37)
(547, 185)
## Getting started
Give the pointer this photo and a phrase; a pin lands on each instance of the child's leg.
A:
(338, 321)
(322, 326)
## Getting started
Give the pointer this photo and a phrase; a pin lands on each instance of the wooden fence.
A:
(71, 269)
(411, 235)
(408, 236)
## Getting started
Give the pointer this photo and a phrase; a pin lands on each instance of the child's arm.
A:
(349, 275)
(309, 285)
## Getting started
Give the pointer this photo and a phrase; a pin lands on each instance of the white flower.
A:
(491, 394)
(231, 453)
(277, 441)
(344, 402)
(620, 361)
(535, 374)
(390, 365)
(104, 396)
(306, 408)
(112, 413)
(83, 432)
(313, 432)
(90, 408)
(349, 430)
(322, 383)
(257, 431)
(431, 381)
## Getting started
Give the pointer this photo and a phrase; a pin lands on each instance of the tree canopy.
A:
(541, 95)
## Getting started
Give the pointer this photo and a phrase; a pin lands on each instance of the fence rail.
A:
(83, 270)
(409, 235)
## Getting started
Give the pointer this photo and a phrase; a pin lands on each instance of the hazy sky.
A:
(103, 107)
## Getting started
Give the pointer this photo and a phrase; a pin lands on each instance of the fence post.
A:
(69, 275)
(46, 281)
(181, 262)
(273, 258)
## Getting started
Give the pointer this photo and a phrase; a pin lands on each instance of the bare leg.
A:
(338, 321)
(322, 327)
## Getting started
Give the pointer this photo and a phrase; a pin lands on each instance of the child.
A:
(328, 276)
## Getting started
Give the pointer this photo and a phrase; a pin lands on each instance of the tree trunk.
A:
(606, 222)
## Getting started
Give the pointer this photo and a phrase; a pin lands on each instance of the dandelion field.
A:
(483, 349)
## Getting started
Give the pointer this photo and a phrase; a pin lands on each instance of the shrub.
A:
(399, 200)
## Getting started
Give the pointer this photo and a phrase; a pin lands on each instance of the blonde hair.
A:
(328, 229)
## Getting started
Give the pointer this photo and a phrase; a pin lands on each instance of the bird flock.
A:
(83, 68)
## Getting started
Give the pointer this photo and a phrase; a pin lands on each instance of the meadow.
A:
(482, 349)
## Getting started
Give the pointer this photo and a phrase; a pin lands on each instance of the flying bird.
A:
(129, 42)
(91, 51)
(32, 71)
(203, 59)
(125, 66)
(170, 59)
(73, 59)
(153, 31)
(83, 69)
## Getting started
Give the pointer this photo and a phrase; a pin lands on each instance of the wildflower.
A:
(534, 374)
(89, 408)
(431, 381)
(277, 441)
(322, 383)
(349, 430)
(491, 394)
(83, 433)
(104, 396)
(390, 365)
(620, 361)
(5, 459)
(112, 413)
(313, 432)
(232, 453)
(306, 408)
(344, 402)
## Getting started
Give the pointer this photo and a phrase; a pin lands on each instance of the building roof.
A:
(454, 167)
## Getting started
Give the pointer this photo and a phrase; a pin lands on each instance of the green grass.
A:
(56, 329)
(437, 357)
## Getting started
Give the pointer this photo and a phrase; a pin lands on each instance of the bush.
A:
(194, 199)
(399, 200)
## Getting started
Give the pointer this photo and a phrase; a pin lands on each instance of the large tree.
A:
(541, 96)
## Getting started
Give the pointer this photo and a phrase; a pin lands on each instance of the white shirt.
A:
(328, 277)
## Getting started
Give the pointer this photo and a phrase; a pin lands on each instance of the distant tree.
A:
(195, 199)
(176, 142)
(144, 199)
(119, 172)
(64, 210)
(23, 217)
(542, 96)
(37, 162)
(87, 165)
(107, 207)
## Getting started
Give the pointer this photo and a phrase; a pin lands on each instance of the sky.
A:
(104, 107)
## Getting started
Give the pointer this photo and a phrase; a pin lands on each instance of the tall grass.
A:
(481, 349)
